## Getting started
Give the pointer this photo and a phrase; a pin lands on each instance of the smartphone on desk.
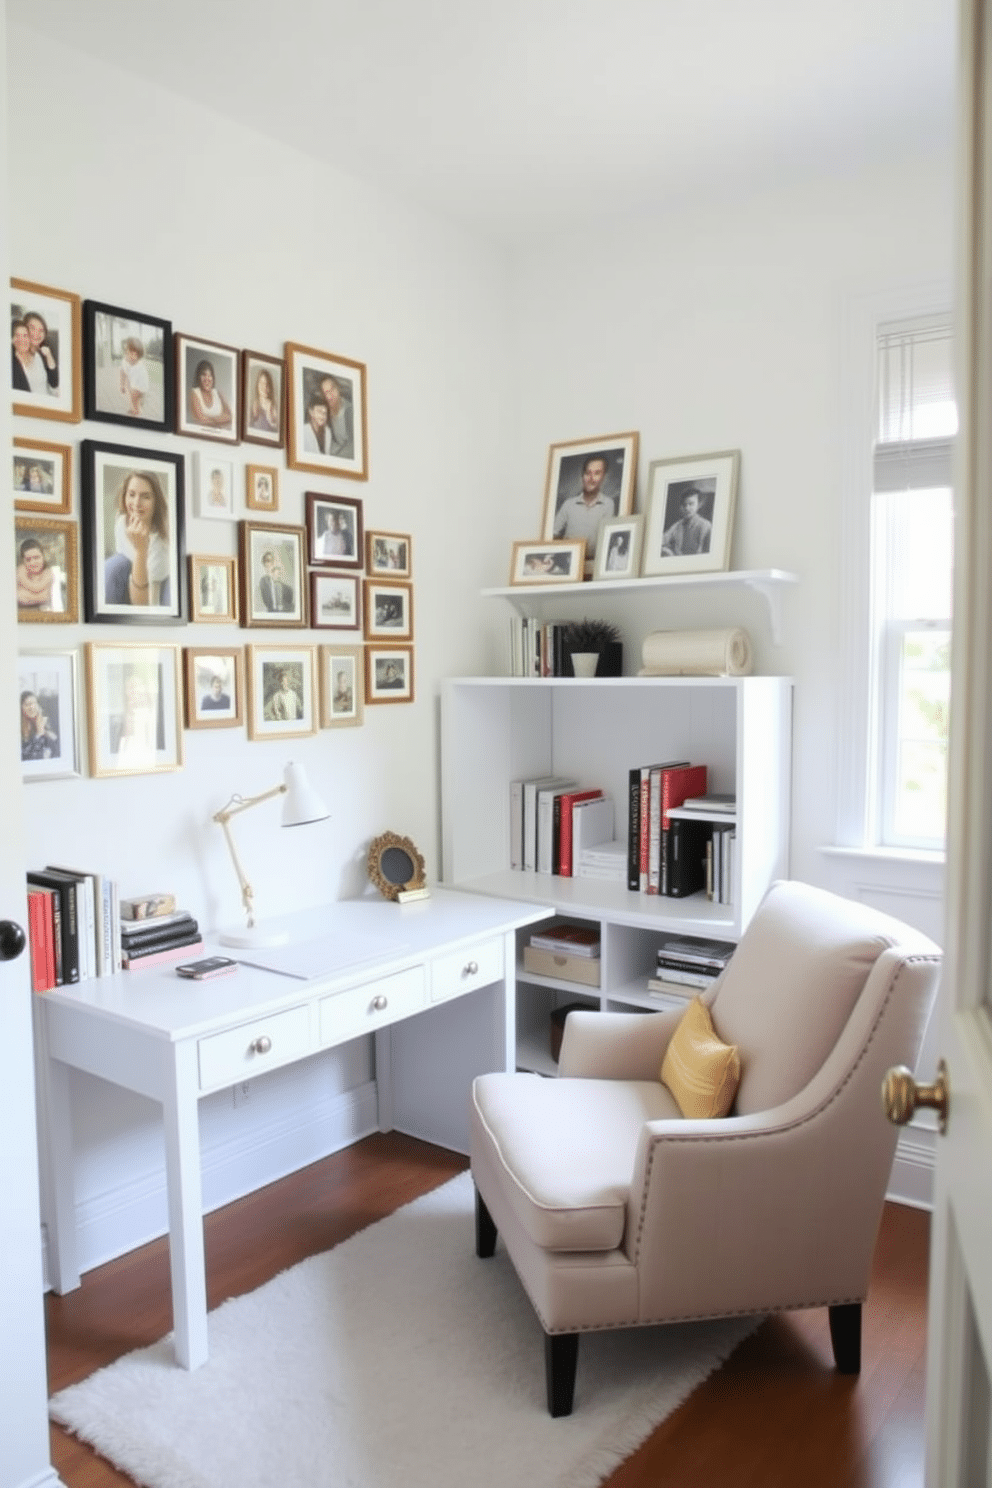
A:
(207, 966)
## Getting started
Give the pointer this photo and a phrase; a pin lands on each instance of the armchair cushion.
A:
(700, 1070)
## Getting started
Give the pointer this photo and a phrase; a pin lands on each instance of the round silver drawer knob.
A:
(380, 1003)
(261, 1045)
(471, 969)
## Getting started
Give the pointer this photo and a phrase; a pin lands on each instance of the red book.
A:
(565, 838)
(677, 785)
(40, 935)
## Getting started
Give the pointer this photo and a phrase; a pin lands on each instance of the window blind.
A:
(917, 413)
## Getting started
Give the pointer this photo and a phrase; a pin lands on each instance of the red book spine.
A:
(676, 785)
(40, 968)
(644, 825)
(565, 839)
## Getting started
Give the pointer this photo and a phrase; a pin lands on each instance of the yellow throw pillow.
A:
(700, 1070)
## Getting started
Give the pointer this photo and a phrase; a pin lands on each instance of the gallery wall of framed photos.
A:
(100, 538)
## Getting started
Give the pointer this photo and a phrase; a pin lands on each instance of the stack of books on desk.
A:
(158, 938)
(689, 962)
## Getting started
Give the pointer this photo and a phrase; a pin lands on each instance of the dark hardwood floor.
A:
(776, 1415)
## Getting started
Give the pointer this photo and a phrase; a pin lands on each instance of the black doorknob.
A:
(12, 941)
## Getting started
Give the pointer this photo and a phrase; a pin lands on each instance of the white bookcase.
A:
(495, 730)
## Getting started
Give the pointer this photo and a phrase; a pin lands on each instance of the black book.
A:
(183, 938)
(686, 856)
(634, 830)
(65, 888)
(146, 932)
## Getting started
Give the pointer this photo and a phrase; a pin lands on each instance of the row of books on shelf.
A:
(79, 927)
(537, 649)
(676, 831)
(690, 963)
(561, 827)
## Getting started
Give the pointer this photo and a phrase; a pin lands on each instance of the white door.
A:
(959, 1363)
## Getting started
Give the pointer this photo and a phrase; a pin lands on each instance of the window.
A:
(912, 537)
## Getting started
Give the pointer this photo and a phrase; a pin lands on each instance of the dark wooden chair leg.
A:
(845, 1335)
(485, 1230)
(561, 1354)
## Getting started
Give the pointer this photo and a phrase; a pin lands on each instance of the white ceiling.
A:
(532, 116)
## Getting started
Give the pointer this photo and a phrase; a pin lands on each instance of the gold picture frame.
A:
(396, 867)
(41, 477)
(47, 592)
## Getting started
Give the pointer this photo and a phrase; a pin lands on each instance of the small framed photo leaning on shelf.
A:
(588, 482)
(548, 562)
(690, 514)
(618, 553)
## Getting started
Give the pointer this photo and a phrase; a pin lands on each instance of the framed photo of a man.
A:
(334, 531)
(134, 711)
(618, 552)
(282, 691)
(589, 481)
(208, 389)
(690, 514)
(341, 686)
(45, 352)
(126, 357)
(134, 556)
(41, 477)
(262, 488)
(389, 674)
(334, 601)
(271, 573)
(214, 687)
(46, 565)
(328, 420)
(213, 595)
(49, 712)
(263, 399)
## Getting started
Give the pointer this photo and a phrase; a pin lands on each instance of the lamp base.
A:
(258, 935)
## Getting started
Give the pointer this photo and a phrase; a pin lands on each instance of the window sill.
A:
(928, 858)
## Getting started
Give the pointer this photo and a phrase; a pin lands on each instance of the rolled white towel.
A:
(696, 653)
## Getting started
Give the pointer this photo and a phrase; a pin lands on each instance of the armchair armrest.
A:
(616, 1046)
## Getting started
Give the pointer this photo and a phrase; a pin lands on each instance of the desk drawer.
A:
(243, 1052)
(476, 966)
(363, 1009)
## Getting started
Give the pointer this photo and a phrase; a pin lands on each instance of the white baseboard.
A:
(911, 1179)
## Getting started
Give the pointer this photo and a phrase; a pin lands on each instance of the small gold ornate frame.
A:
(396, 867)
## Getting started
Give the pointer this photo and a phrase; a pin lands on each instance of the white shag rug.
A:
(398, 1357)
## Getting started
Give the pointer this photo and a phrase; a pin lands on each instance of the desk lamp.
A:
(301, 806)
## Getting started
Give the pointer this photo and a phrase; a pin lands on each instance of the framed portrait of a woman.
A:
(45, 351)
(134, 556)
(263, 399)
(47, 692)
(208, 389)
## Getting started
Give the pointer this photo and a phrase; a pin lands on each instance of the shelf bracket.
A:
(772, 594)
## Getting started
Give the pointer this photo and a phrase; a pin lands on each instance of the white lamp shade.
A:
(302, 804)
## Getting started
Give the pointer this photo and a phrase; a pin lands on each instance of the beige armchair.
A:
(618, 1212)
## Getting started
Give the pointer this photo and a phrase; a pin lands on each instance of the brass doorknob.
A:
(901, 1095)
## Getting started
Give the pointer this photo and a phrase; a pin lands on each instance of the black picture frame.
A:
(107, 470)
(108, 395)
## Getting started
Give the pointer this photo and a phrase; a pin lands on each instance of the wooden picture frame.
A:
(208, 388)
(41, 477)
(117, 483)
(618, 553)
(588, 482)
(49, 728)
(213, 487)
(335, 441)
(690, 507)
(271, 575)
(342, 687)
(134, 710)
(214, 686)
(389, 674)
(47, 357)
(46, 570)
(263, 399)
(388, 607)
(127, 367)
(262, 488)
(213, 589)
(334, 531)
(389, 554)
(548, 562)
(335, 601)
(282, 691)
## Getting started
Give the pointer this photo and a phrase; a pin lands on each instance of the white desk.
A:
(175, 1041)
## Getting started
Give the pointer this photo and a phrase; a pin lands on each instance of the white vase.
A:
(584, 663)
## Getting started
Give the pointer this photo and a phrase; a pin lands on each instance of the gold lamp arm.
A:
(223, 817)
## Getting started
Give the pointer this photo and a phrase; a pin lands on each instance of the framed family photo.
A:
(388, 611)
(48, 695)
(690, 514)
(272, 575)
(46, 565)
(214, 686)
(328, 420)
(263, 399)
(547, 562)
(588, 482)
(134, 556)
(341, 686)
(334, 601)
(262, 488)
(214, 483)
(41, 477)
(213, 595)
(127, 360)
(334, 531)
(618, 552)
(46, 351)
(208, 389)
(282, 691)
(389, 674)
(389, 553)
(134, 712)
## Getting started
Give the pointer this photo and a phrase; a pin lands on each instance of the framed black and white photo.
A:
(133, 708)
(341, 686)
(389, 674)
(127, 364)
(328, 420)
(214, 686)
(48, 694)
(388, 610)
(272, 575)
(282, 691)
(334, 601)
(46, 565)
(547, 562)
(213, 594)
(262, 488)
(389, 554)
(46, 352)
(214, 484)
(263, 399)
(618, 552)
(588, 482)
(334, 531)
(134, 555)
(208, 389)
(690, 514)
(41, 477)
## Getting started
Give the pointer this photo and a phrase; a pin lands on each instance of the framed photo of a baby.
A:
(126, 354)
(134, 556)
(45, 570)
(589, 481)
(690, 514)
